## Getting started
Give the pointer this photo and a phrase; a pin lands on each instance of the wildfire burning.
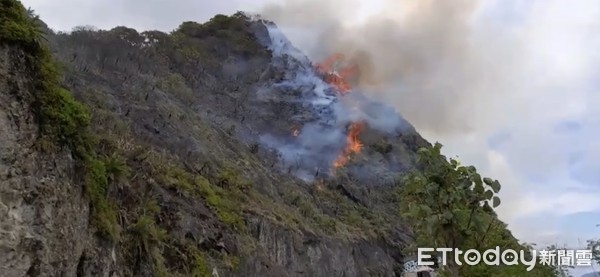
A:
(353, 144)
(339, 80)
(295, 132)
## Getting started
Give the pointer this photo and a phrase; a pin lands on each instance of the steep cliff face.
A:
(192, 165)
(44, 216)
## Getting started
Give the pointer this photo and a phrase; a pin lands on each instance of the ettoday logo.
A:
(473, 257)
(554, 257)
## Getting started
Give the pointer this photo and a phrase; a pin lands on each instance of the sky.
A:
(506, 85)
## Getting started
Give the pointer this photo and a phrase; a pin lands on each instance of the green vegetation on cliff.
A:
(64, 122)
(449, 205)
(60, 116)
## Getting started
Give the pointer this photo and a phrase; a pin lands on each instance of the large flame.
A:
(353, 144)
(338, 78)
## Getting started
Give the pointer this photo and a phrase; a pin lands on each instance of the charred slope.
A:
(184, 166)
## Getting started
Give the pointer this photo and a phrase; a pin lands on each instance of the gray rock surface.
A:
(44, 228)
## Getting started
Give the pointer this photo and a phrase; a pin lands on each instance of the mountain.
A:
(202, 119)
(218, 149)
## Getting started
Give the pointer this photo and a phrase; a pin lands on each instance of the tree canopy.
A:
(450, 205)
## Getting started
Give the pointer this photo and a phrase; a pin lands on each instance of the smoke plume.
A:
(424, 57)
(322, 140)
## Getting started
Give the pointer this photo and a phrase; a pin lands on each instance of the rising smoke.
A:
(494, 67)
(426, 57)
(322, 141)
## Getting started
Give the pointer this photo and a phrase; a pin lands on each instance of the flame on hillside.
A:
(353, 144)
(338, 78)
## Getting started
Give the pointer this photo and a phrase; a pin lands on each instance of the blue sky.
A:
(531, 121)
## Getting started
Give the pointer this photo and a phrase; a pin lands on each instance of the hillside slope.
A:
(215, 149)
(188, 180)
(201, 100)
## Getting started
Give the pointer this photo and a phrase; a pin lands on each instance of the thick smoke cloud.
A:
(493, 80)
(320, 141)
(425, 57)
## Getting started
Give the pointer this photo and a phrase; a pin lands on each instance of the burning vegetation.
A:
(353, 144)
(338, 76)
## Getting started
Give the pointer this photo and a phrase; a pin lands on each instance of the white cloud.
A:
(140, 14)
(554, 53)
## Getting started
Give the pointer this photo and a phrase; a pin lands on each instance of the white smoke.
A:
(321, 141)
(490, 79)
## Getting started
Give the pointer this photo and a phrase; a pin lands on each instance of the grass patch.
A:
(176, 85)
(327, 224)
(177, 178)
(148, 237)
(307, 210)
(200, 267)
(103, 212)
(357, 219)
(144, 242)
(147, 233)
(223, 203)
(231, 179)
(223, 199)
(100, 173)
(186, 259)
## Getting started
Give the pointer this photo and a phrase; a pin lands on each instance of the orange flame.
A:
(337, 78)
(296, 132)
(353, 144)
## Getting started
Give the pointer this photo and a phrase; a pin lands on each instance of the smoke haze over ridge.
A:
(492, 80)
(420, 52)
